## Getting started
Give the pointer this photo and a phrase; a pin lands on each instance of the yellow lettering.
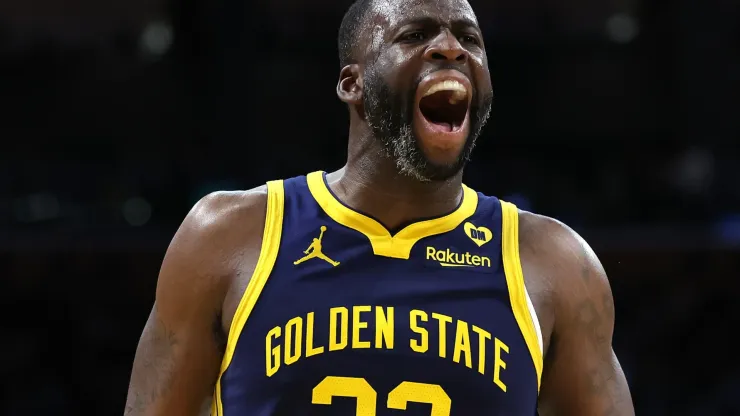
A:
(443, 321)
(284, 345)
(422, 345)
(384, 327)
(441, 256)
(272, 360)
(462, 344)
(310, 349)
(432, 394)
(293, 348)
(449, 257)
(358, 324)
(430, 253)
(483, 335)
(343, 314)
(366, 399)
(498, 363)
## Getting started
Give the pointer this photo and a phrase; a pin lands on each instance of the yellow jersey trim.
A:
(383, 243)
(262, 270)
(515, 282)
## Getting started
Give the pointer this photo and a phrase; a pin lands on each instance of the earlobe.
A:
(349, 87)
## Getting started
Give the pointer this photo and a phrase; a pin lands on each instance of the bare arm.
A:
(179, 354)
(582, 376)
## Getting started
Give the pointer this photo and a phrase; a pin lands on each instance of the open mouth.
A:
(445, 105)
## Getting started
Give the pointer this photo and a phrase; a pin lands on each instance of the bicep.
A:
(582, 375)
(583, 382)
(178, 357)
(174, 370)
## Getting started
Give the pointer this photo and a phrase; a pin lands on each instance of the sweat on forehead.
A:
(366, 20)
(392, 12)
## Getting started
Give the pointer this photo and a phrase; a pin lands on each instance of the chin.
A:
(436, 164)
(441, 152)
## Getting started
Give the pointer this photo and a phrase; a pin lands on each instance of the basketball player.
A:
(387, 287)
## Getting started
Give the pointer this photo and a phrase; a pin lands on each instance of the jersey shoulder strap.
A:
(521, 304)
(268, 254)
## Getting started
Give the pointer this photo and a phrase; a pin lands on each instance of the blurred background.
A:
(619, 117)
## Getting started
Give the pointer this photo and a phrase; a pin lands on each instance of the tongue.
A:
(442, 125)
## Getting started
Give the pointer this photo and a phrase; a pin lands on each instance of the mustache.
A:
(446, 66)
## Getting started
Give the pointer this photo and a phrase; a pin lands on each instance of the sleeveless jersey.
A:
(343, 318)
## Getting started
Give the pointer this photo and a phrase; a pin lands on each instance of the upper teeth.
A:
(459, 92)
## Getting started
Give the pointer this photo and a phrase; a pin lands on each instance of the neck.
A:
(370, 183)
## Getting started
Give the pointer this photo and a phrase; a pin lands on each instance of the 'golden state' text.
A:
(379, 327)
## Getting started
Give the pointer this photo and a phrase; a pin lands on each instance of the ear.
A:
(349, 87)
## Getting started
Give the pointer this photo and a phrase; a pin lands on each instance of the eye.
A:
(469, 39)
(416, 36)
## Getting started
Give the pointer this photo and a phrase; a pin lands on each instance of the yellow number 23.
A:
(366, 396)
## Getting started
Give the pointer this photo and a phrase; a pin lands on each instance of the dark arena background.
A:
(620, 118)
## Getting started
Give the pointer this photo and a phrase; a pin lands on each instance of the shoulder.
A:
(563, 265)
(226, 212)
(220, 206)
(219, 232)
(224, 217)
(553, 241)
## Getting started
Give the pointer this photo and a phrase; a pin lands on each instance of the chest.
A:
(355, 320)
(388, 322)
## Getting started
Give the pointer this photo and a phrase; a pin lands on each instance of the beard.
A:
(390, 116)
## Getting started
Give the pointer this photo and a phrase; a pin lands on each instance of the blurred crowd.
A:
(619, 118)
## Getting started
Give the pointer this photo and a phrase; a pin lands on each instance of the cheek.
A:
(398, 71)
(400, 60)
(479, 61)
(486, 83)
(482, 74)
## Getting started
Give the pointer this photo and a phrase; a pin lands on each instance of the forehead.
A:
(396, 12)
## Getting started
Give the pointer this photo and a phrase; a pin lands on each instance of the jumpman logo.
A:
(314, 251)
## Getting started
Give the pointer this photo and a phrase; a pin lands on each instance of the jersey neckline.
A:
(383, 243)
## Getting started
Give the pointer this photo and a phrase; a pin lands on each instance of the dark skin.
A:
(200, 284)
(573, 300)
(208, 264)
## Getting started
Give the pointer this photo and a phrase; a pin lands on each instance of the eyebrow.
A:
(462, 22)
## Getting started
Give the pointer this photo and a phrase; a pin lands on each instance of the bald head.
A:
(349, 32)
(358, 18)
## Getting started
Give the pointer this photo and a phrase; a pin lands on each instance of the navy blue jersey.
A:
(341, 317)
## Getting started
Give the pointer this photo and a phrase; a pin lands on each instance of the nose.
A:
(445, 47)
